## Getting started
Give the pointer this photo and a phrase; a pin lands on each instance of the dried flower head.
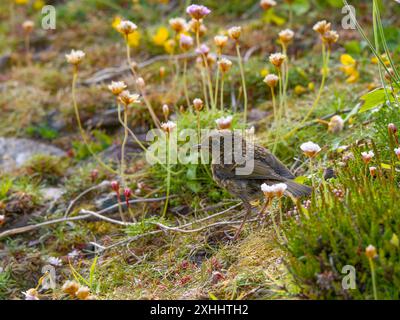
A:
(271, 80)
(286, 36)
(370, 252)
(31, 294)
(367, 156)
(267, 4)
(336, 124)
(220, 41)
(330, 37)
(211, 60)
(272, 191)
(322, 27)
(28, 26)
(203, 50)
(116, 87)
(198, 104)
(185, 42)
(225, 65)
(392, 128)
(372, 171)
(197, 12)
(224, 123)
(70, 287)
(126, 27)
(178, 24)
(75, 57)
(162, 72)
(168, 126)
(165, 110)
(277, 59)
(2, 219)
(127, 98)
(140, 83)
(389, 74)
(310, 149)
(82, 293)
(235, 33)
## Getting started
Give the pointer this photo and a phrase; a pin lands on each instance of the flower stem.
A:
(321, 88)
(243, 81)
(123, 163)
(279, 111)
(82, 131)
(168, 175)
(371, 264)
(222, 92)
(185, 89)
(135, 76)
(217, 84)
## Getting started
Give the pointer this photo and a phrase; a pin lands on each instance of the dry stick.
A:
(129, 240)
(65, 219)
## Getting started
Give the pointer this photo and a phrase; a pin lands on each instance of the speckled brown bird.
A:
(267, 169)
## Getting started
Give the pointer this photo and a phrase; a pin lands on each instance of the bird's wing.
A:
(269, 160)
(261, 171)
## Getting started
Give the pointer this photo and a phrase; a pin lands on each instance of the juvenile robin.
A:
(264, 167)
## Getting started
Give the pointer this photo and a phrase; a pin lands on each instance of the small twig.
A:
(95, 214)
(15, 231)
(28, 228)
(102, 185)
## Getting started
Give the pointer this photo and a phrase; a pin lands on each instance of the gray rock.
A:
(15, 152)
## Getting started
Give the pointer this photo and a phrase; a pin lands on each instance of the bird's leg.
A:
(248, 211)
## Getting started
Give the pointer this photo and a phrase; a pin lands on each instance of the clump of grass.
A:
(46, 167)
(356, 210)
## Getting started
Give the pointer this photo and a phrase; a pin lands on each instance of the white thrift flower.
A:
(2, 219)
(310, 149)
(75, 57)
(275, 190)
(116, 87)
(224, 123)
(168, 126)
(126, 27)
(367, 156)
(54, 261)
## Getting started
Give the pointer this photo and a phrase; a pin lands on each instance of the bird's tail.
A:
(297, 190)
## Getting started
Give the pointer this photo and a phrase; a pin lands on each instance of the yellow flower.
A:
(353, 77)
(311, 86)
(384, 57)
(264, 72)
(134, 39)
(169, 46)
(299, 90)
(349, 68)
(161, 36)
(21, 2)
(117, 20)
(38, 4)
(347, 60)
